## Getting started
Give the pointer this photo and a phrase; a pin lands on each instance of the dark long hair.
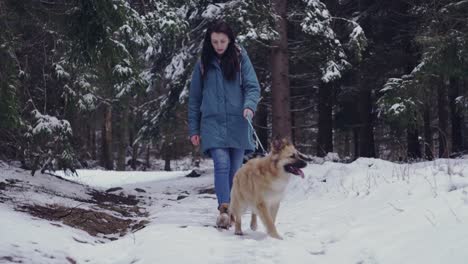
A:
(230, 59)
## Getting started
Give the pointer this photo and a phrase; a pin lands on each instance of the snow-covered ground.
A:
(368, 212)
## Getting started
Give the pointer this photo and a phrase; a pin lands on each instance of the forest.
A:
(105, 82)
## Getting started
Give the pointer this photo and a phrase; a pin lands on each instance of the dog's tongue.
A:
(300, 172)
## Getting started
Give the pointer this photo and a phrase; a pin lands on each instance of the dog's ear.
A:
(278, 144)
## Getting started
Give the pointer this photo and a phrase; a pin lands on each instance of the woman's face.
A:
(220, 42)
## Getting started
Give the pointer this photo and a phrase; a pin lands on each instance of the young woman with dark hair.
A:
(220, 43)
(224, 93)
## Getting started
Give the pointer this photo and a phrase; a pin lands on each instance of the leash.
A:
(255, 133)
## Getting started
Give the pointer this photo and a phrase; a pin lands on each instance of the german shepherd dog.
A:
(260, 185)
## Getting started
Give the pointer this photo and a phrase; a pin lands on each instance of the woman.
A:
(224, 92)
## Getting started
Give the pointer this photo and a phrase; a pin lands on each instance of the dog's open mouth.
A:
(294, 170)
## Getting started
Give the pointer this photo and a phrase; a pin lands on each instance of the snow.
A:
(120, 46)
(60, 71)
(331, 72)
(458, 4)
(149, 52)
(418, 67)
(177, 66)
(317, 20)
(397, 108)
(213, 11)
(126, 28)
(122, 70)
(83, 83)
(368, 211)
(391, 84)
(48, 124)
(87, 101)
(357, 31)
(108, 179)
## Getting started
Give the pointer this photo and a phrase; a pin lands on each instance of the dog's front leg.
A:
(274, 211)
(265, 216)
(238, 225)
(253, 222)
(236, 216)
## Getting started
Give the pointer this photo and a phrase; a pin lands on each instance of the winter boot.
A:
(223, 220)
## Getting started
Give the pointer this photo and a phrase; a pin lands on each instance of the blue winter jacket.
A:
(216, 106)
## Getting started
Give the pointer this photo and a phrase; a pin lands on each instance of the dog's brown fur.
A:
(260, 184)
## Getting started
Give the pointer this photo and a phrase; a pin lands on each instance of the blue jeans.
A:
(226, 163)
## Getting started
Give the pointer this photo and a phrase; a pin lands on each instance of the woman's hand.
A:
(195, 139)
(248, 113)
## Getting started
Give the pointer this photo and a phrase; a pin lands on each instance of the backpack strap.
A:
(239, 55)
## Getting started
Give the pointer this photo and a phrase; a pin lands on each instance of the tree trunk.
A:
(86, 136)
(166, 151)
(347, 144)
(93, 142)
(356, 142)
(442, 103)
(280, 93)
(325, 120)
(167, 164)
(135, 148)
(456, 117)
(90, 144)
(123, 142)
(413, 148)
(464, 127)
(366, 131)
(428, 142)
(148, 152)
(107, 160)
(132, 138)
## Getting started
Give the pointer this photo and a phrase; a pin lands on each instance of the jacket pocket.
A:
(234, 98)
(209, 106)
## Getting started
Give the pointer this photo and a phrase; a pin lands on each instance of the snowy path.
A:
(185, 229)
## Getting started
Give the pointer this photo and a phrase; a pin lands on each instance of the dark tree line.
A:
(104, 82)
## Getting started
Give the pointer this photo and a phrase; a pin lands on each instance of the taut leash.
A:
(255, 133)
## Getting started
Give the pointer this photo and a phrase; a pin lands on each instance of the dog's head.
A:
(286, 156)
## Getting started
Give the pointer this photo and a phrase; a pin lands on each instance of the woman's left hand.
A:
(248, 114)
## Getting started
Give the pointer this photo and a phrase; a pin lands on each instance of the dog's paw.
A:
(253, 226)
(239, 233)
(275, 235)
